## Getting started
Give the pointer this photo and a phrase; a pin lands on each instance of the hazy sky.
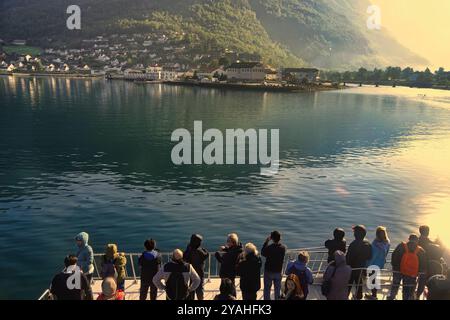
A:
(421, 25)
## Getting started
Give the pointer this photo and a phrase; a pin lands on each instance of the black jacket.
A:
(274, 255)
(150, 262)
(359, 253)
(249, 269)
(398, 253)
(196, 255)
(228, 258)
(334, 245)
(60, 290)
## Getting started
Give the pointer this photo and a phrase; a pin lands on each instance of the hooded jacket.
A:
(150, 262)
(117, 259)
(398, 253)
(85, 254)
(249, 269)
(196, 255)
(380, 250)
(301, 270)
(228, 258)
(334, 245)
(339, 281)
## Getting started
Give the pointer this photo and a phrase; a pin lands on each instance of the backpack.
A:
(326, 284)
(176, 288)
(438, 288)
(303, 279)
(109, 270)
(409, 265)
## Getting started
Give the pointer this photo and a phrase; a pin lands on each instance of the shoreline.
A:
(256, 86)
(235, 86)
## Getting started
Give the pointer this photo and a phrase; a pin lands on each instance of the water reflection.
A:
(95, 155)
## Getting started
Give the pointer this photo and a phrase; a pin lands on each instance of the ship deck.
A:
(317, 263)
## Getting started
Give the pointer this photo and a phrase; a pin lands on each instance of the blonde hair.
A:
(303, 256)
(251, 248)
(177, 255)
(233, 237)
(381, 234)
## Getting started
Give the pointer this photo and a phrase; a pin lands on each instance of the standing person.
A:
(226, 291)
(408, 260)
(85, 256)
(301, 270)
(380, 249)
(358, 255)
(150, 262)
(196, 255)
(336, 277)
(249, 269)
(180, 278)
(273, 267)
(113, 264)
(109, 290)
(228, 256)
(337, 243)
(293, 289)
(60, 288)
(433, 257)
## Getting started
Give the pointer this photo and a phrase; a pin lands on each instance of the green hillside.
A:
(323, 33)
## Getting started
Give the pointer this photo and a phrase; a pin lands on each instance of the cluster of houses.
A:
(116, 56)
(255, 72)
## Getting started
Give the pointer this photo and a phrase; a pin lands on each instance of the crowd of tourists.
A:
(418, 264)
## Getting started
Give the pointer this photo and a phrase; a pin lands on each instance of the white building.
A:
(154, 72)
(169, 75)
(246, 71)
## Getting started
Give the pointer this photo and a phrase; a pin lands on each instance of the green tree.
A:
(362, 74)
(407, 73)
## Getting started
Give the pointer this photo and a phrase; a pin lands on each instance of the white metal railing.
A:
(318, 263)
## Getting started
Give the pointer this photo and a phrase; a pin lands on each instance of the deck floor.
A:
(212, 289)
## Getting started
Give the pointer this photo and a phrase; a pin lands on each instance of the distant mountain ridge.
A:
(322, 33)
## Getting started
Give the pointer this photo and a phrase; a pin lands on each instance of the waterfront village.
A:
(149, 58)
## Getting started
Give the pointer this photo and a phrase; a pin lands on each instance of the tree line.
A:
(392, 75)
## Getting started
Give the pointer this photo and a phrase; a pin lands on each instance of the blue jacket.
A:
(300, 267)
(85, 254)
(380, 251)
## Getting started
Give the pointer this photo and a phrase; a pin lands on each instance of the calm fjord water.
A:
(92, 155)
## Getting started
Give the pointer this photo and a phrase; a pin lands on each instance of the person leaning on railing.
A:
(408, 261)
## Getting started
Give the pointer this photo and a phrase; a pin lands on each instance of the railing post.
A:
(132, 268)
(209, 268)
